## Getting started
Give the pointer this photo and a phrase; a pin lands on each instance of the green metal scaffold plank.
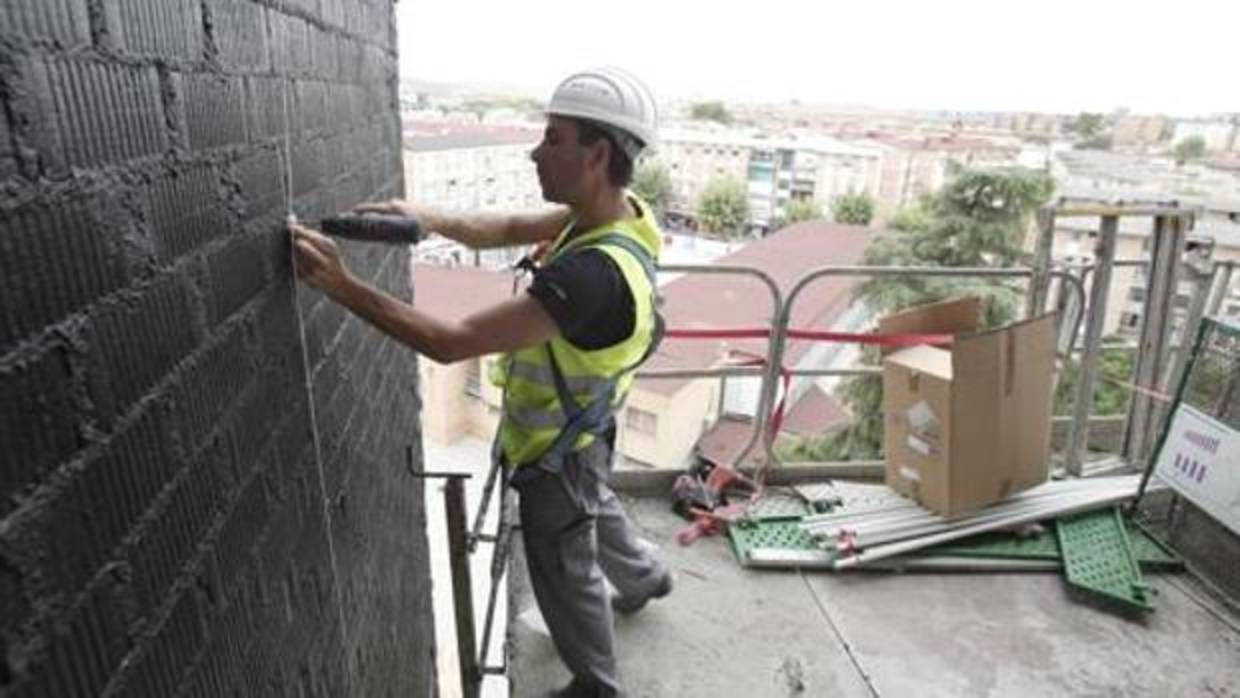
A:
(783, 534)
(1098, 558)
(1151, 553)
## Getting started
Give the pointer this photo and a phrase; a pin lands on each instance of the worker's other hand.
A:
(317, 260)
(391, 207)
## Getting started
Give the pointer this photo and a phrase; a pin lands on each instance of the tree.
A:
(853, 209)
(1087, 125)
(795, 211)
(977, 220)
(1115, 367)
(1191, 148)
(1102, 142)
(653, 183)
(724, 207)
(710, 111)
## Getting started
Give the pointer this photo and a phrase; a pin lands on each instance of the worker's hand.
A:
(392, 207)
(317, 260)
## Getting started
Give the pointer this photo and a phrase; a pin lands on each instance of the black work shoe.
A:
(628, 605)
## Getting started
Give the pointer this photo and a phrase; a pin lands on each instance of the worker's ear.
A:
(600, 154)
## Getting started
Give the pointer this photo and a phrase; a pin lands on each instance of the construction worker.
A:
(570, 344)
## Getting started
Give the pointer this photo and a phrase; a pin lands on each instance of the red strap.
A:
(885, 340)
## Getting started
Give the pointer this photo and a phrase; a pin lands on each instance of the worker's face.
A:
(567, 170)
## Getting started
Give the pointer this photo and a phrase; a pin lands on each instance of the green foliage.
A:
(1191, 148)
(853, 209)
(976, 221)
(1088, 125)
(710, 111)
(1114, 366)
(795, 211)
(724, 207)
(653, 183)
(481, 105)
(1102, 142)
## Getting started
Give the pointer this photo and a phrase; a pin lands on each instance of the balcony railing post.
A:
(1166, 254)
(1104, 255)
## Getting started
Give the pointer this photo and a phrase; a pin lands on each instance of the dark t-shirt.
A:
(586, 295)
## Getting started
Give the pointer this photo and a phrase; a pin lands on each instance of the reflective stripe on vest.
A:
(541, 373)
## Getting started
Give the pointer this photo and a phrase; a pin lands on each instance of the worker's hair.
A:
(619, 166)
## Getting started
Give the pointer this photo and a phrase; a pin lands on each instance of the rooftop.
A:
(727, 301)
(422, 137)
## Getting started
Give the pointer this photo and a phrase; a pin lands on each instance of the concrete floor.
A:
(729, 632)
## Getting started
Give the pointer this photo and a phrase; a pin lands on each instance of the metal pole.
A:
(462, 587)
(1040, 284)
(1188, 330)
(1223, 273)
(1104, 255)
(771, 371)
(1165, 256)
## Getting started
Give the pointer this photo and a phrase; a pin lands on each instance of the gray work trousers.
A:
(575, 531)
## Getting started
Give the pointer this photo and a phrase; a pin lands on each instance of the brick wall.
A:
(169, 523)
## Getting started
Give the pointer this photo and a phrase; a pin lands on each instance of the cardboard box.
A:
(970, 425)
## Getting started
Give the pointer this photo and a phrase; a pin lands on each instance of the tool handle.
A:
(374, 227)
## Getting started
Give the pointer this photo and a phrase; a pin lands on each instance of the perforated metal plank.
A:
(781, 534)
(1151, 553)
(777, 505)
(1099, 559)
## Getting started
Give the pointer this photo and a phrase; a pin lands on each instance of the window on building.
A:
(473, 378)
(641, 421)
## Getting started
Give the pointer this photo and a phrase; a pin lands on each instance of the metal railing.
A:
(1170, 226)
(773, 371)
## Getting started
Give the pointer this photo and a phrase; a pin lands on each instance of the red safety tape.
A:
(884, 340)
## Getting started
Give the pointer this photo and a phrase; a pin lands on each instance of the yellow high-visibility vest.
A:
(532, 415)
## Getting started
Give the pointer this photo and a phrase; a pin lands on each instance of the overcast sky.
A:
(1179, 57)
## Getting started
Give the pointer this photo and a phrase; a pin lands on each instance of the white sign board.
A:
(1201, 460)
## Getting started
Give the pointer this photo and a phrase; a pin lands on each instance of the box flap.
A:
(1002, 400)
(930, 360)
(947, 317)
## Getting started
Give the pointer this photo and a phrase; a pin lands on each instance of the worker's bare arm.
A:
(478, 230)
(509, 325)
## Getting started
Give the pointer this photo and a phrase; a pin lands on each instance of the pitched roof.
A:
(717, 301)
(457, 292)
(815, 412)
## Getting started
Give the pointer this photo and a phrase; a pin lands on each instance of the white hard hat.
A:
(614, 99)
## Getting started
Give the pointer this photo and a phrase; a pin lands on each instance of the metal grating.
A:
(1148, 550)
(781, 534)
(777, 505)
(1099, 559)
(1212, 383)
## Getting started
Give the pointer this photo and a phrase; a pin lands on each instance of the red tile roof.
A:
(698, 301)
(814, 413)
(722, 443)
(456, 292)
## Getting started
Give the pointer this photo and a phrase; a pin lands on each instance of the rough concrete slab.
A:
(726, 631)
(1023, 635)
